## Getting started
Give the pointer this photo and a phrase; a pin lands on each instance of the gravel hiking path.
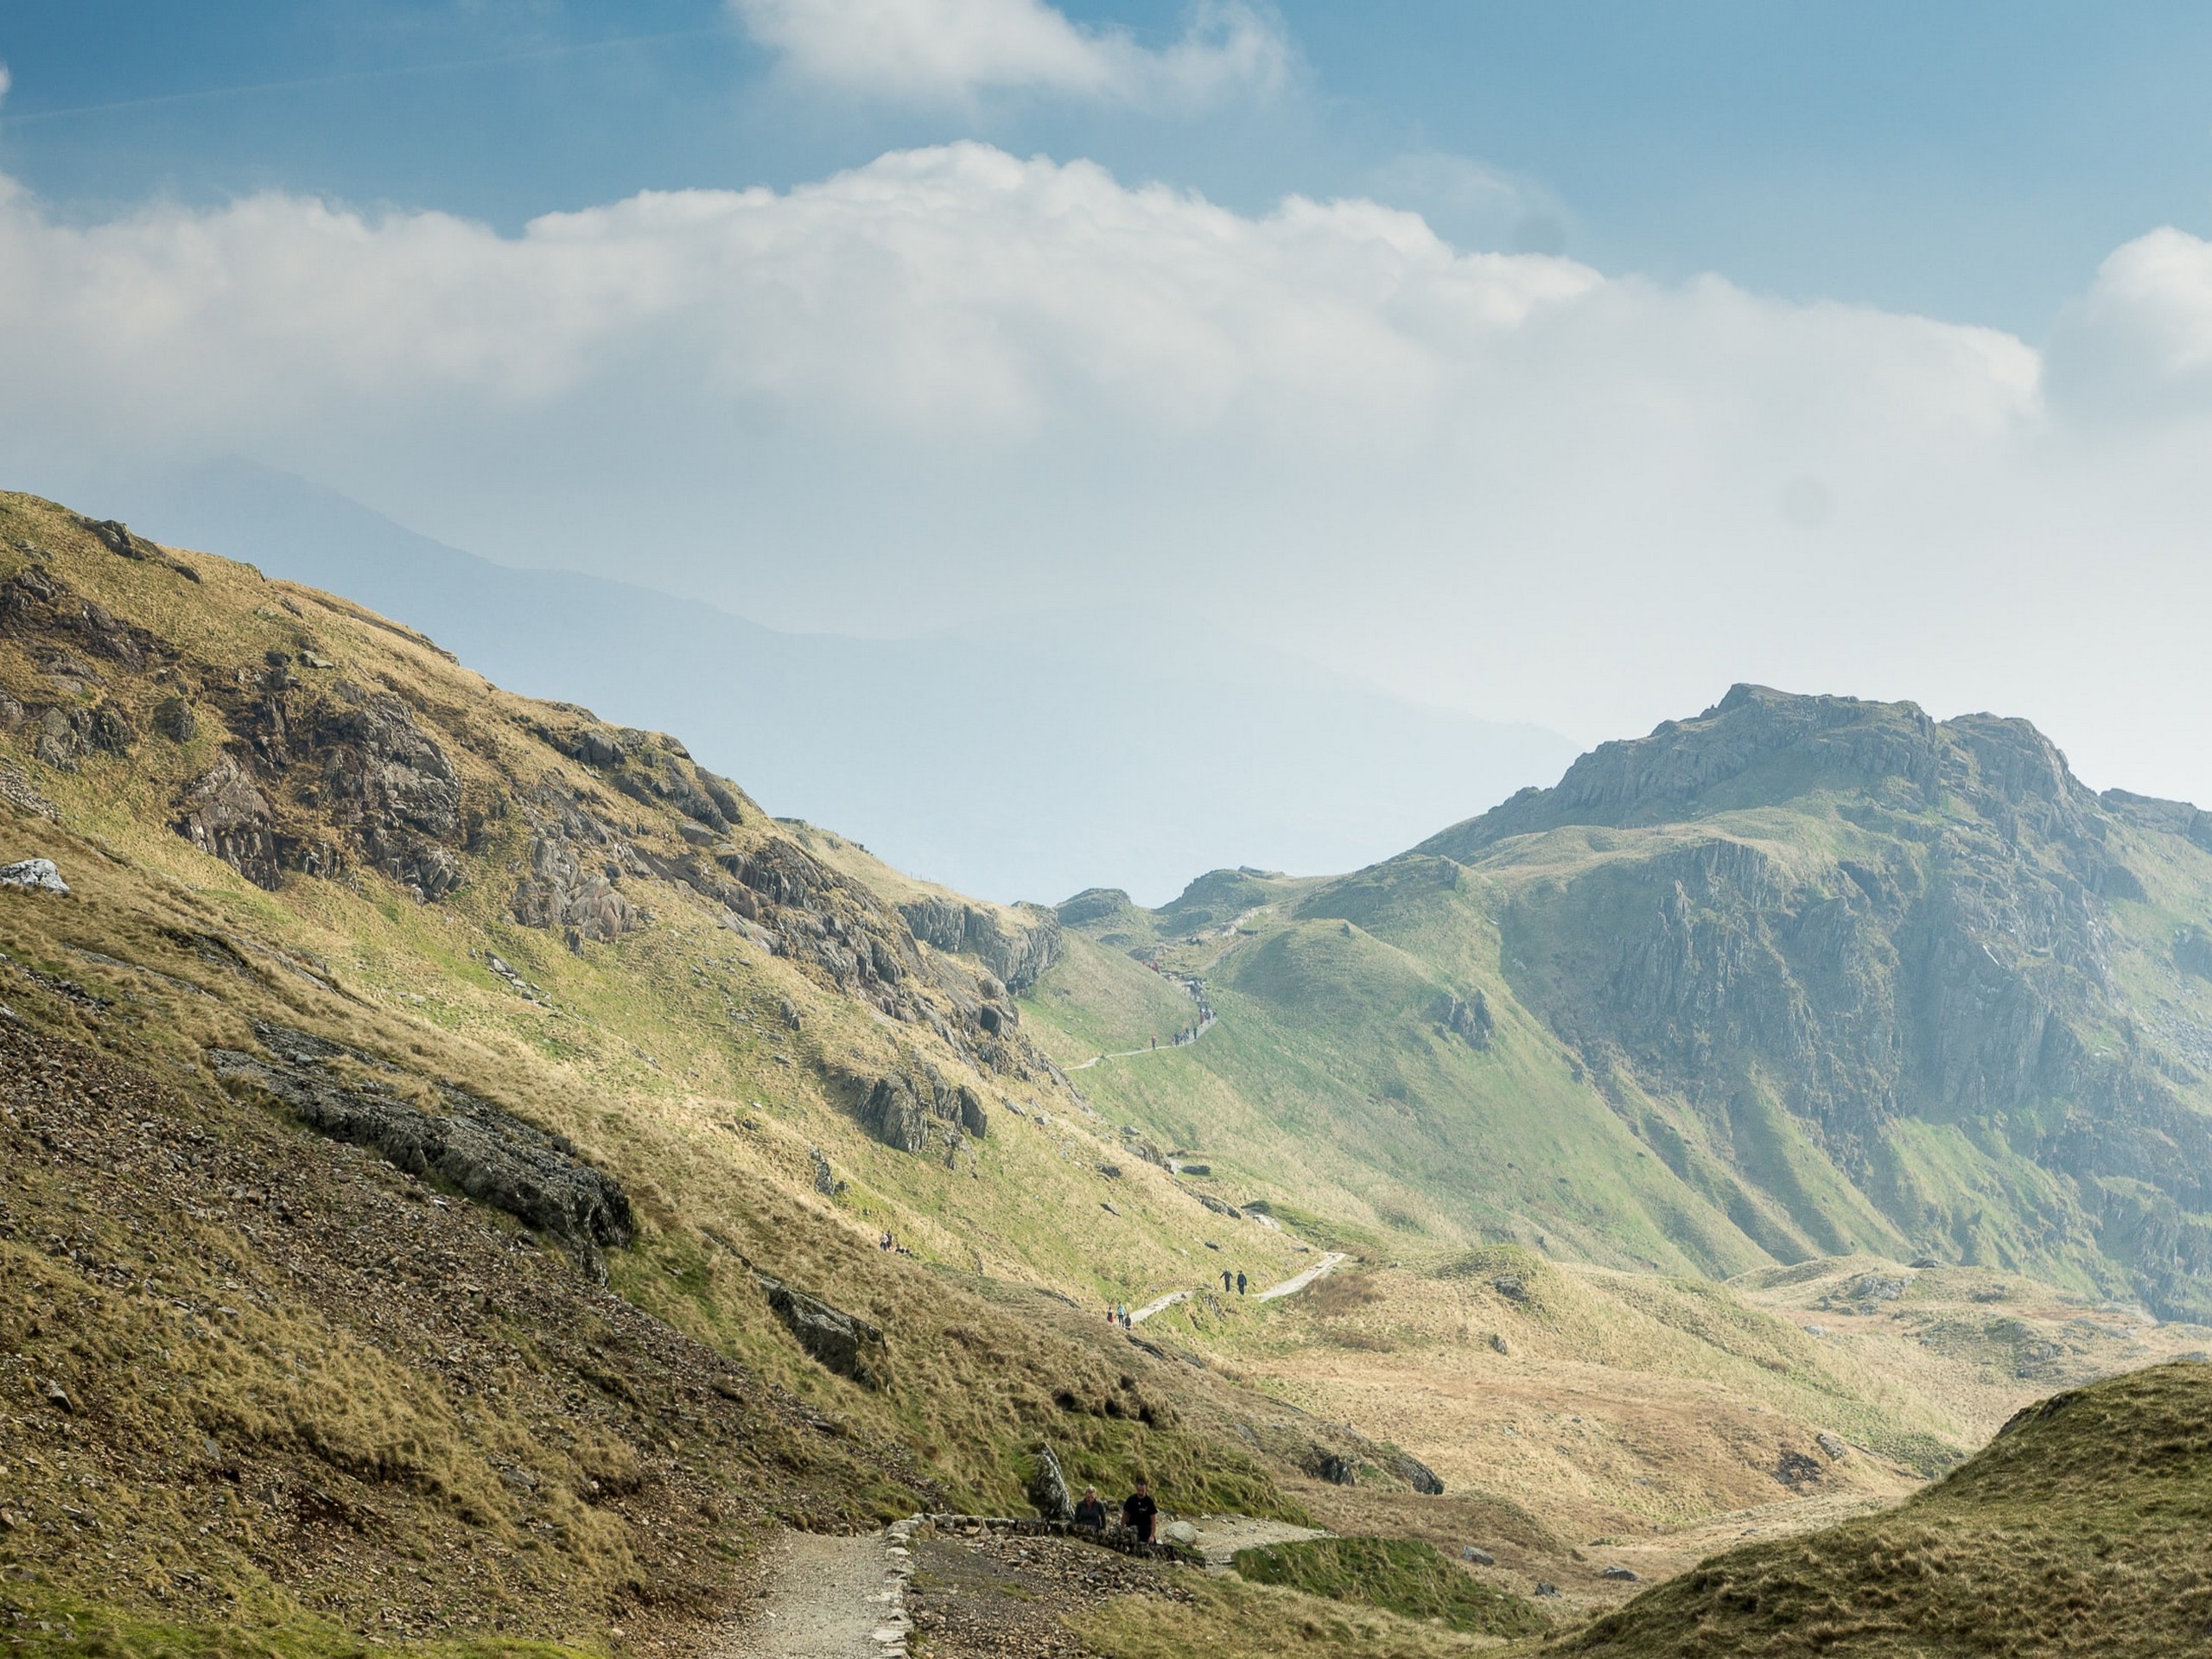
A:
(1204, 1027)
(1288, 1287)
(1291, 1287)
(1221, 1536)
(827, 1598)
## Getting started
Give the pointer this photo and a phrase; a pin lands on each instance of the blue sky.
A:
(1971, 160)
(1556, 363)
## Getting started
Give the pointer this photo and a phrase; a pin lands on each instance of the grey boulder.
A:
(34, 876)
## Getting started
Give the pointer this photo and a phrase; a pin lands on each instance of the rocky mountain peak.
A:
(1760, 746)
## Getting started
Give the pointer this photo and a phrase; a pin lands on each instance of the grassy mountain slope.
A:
(2080, 1530)
(593, 1046)
(1799, 977)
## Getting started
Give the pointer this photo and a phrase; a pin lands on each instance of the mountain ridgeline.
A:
(1853, 977)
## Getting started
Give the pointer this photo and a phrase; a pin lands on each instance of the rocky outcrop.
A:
(573, 882)
(34, 876)
(37, 604)
(908, 1110)
(1942, 945)
(1017, 952)
(1093, 905)
(487, 1152)
(318, 785)
(1048, 1487)
(833, 1338)
(226, 815)
(1418, 1475)
(1468, 1019)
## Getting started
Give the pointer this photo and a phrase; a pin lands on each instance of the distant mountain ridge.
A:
(1855, 977)
(1010, 760)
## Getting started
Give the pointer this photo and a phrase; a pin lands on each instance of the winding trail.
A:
(1320, 1270)
(1290, 1287)
(1205, 1025)
(1138, 1316)
(1193, 987)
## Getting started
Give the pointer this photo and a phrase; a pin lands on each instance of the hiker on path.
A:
(1240, 1281)
(1091, 1512)
(1138, 1511)
(1224, 1281)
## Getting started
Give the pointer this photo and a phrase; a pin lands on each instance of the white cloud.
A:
(6, 81)
(2139, 342)
(952, 50)
(954, 383)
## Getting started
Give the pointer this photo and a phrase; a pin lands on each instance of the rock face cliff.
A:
(271, 741)
(1922, 947)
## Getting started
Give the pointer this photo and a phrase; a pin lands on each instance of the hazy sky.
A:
(1556, 362)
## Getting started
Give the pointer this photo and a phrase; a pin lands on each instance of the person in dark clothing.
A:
(1240, 1281)
(1224, 1281)
(1138, 1511)
(1091, 1512)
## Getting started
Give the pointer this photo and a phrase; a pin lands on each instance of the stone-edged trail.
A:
(831, 1598)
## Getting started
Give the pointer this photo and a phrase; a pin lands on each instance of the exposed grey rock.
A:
(1219, 1206)
(1795, 1469)
(1468, 1019)
(487, 1152)
(895, 1115)
(1048, 1487)
(1335, 1469)
(973, 1118)
(1511, 1286)
(1622, 1575)
(825, 1179)
(835, 1340)
(1479, 1557)
(1018, 953)
(1831, 1447)
(227, 816)
(173, 719)
(34, 874)
(1418, 1475)
(1545, 1590)
(575, 865)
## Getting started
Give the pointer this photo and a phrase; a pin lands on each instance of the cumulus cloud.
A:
(940, 50)
(955, 383)
(2139, 343)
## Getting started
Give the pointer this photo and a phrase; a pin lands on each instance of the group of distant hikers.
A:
(1139, 1512)
(1119, 1313)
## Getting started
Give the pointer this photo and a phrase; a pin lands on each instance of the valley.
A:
(476, 1181)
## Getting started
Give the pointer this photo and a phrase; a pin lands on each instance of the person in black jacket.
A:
(1138, 1511)
(1091, 1512)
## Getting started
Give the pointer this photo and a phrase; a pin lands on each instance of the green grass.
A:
(1229, 1618)
(1396, 1574)
(2082, 1530)
(37, 1621)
